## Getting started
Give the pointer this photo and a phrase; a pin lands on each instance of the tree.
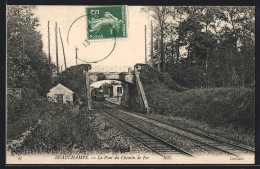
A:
(240, 22)
(160, 14)
(27, 65)
(73, 78)
(218, 43)
(178, 15)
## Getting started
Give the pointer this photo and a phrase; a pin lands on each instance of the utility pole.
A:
(19, 24)
(152, 40)
(63, 50)
(56, 40)
(49, 51)
(23, 46)
(88, 97)
(76, 49)
(158, 60)
(145, 44)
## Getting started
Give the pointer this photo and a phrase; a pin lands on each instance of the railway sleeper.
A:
(161, 147)
(146, 138)
(152, 141)
(171, 152)
(168, 151)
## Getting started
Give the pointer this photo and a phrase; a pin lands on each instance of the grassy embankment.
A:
(228, 112)
(57, 128)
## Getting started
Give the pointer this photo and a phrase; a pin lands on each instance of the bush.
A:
(74, 79)
(23, 114)
(57, 127)
(64, 131)
(187, 75)
(226, 107)
(232, 107)
(152, 76)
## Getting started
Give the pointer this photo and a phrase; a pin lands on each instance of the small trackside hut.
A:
(60, 94)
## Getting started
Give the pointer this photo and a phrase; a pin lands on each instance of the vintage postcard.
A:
(122, 84)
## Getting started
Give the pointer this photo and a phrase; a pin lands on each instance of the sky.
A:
(127, 52)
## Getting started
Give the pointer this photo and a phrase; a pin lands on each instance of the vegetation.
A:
(53, 126)
(155, 77)
(202, 46)
(226, 107)
(64, 131)
(211, 51)
(24, 113)
(26, 62)
(73, 78)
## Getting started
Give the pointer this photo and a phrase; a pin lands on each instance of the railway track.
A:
(149, 140)
(228, 147)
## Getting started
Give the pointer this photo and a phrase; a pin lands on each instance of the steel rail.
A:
(132, 135)
(187, 130)
(147, 133)
(190, 138)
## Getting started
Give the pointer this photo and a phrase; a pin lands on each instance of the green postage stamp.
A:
(106, 22)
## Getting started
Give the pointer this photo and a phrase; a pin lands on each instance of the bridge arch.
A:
(123, 77)
(133, 93)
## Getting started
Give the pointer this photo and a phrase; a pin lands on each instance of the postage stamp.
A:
(106, 22)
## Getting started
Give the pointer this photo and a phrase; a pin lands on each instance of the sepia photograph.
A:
(122, 84)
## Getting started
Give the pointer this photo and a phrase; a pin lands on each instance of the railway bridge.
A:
(123, 74)
(133, 92)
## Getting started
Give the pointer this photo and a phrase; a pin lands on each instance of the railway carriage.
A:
(98, 95)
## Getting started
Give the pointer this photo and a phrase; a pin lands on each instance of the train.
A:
(98, 95)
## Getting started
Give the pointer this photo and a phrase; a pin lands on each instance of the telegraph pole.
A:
(152, 40)
(49, 51)
(76, 49)
(63, 50)
(145, 44)
(56, 40)
(158, 60)
(88, 97)
(23, 45)
(22, 35)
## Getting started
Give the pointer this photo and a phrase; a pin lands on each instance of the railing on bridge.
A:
(103, 69)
